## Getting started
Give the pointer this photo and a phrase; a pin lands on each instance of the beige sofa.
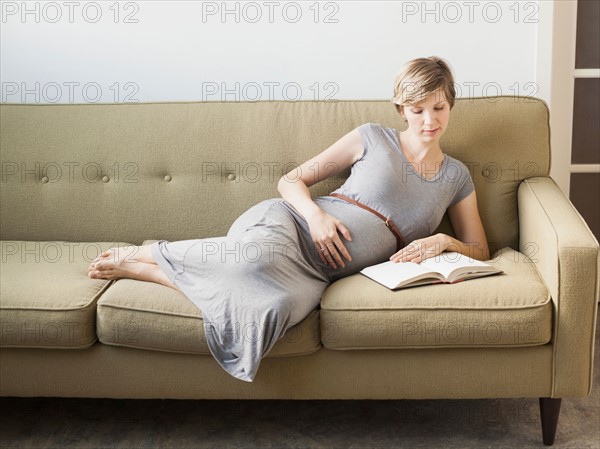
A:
(78, 179)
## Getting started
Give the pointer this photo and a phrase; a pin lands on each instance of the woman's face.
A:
(428, 119)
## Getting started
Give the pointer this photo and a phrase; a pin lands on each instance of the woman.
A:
(278, 257)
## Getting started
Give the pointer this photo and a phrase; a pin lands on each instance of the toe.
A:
(97, 275)
(106, 253)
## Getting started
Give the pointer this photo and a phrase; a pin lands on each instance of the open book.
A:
(445, 268)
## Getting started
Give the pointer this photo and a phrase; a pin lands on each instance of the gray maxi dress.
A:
(265, 275)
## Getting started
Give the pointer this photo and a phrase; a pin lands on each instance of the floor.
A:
(478, 423)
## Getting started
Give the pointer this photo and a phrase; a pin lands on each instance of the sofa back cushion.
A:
(175, 171)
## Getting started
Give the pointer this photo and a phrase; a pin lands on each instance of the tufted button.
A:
(45, 179)
(105, 178)
(486, 173)
(231, 176)
(168, 178)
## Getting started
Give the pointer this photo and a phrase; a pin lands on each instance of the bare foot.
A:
(109, 266)
(128, 254)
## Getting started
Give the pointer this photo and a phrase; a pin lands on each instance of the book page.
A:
(391, 273)
(447, 262)
(465, 276)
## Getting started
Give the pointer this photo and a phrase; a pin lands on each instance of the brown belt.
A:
(389, 223)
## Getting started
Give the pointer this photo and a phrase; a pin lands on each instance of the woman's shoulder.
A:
(452, 159)
(374, 128)
(457, 166)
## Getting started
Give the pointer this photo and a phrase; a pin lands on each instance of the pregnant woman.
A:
(270, 270)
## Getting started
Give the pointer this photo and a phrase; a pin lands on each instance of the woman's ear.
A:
(400, 110)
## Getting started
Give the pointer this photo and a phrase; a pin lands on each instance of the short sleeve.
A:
(366, 132)
(466, 184)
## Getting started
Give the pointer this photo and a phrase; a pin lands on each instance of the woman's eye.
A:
(437, 109)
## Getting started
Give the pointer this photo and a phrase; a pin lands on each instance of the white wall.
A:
(178, 51)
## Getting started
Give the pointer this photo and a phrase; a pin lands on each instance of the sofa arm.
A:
(565, 252)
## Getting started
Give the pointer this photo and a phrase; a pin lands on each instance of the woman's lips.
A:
(430, 131)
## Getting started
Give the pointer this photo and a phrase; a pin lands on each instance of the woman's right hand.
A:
(324, 232)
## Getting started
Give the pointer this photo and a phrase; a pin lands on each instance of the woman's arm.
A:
(293, 186)
(468, 228)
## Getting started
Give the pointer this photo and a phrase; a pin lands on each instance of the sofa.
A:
(78, 179)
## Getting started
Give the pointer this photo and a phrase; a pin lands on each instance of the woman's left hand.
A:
(419, 250)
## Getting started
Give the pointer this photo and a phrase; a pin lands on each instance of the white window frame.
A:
(555, 76)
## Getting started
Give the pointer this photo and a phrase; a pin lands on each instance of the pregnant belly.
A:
(372, 242)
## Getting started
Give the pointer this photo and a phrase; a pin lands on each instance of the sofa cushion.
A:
(47, 299)
(190, 169)
(509, 309)
(147, 315)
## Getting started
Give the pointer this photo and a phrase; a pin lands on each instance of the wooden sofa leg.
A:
(549, 411)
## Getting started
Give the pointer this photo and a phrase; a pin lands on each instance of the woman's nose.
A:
(428, 118)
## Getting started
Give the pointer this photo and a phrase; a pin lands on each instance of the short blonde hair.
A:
(419, 78)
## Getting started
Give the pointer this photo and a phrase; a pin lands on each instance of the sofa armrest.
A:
(565, 252)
